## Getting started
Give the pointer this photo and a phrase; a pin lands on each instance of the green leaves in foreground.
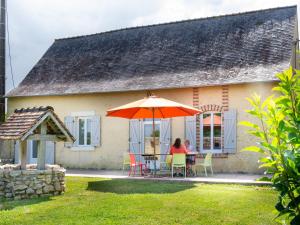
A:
(253, 149)
(277, 129)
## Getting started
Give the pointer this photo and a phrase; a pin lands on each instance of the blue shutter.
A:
(230, 131)
(190, 130)
(201, 133)
(17, 152)
(70, 125)
(135, 137)
(95, 131)
(165, 137)
(50, 148)
(29, 152)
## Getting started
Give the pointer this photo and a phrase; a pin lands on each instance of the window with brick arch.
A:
(211, 132)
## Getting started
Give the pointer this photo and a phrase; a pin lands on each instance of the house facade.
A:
(212, 64)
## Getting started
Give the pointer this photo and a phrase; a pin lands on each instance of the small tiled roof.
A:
(237, 48)
(23, 120)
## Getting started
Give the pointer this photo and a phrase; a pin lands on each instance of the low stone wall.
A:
(24, 184)
(5, 161)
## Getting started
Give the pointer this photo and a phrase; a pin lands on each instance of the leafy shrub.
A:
(278, 132)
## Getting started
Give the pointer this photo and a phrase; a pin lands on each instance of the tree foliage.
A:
(277, 129)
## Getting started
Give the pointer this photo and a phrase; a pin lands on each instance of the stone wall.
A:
(24, 184)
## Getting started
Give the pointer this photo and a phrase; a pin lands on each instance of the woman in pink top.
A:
(178, 147)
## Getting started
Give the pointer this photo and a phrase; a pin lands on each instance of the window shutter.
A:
(70, 125)
(165, 137)
(201, 133)
(76, 131)
(230, 131)
(17, 152)
(50, 148)
(29, 151)
(95, 131)
(190, 130)
(135, 136)
(141, 140)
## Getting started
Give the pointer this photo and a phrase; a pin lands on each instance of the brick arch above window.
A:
(211, 107)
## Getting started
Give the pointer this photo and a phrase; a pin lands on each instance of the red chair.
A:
(133, 165)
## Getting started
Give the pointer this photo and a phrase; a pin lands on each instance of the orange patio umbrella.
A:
(152, 107)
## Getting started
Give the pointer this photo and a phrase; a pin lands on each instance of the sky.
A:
(34, 24)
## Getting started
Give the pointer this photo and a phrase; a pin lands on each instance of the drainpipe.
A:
(2, 59)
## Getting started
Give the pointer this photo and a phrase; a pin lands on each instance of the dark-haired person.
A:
(178, 148)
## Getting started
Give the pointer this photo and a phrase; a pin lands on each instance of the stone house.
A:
(210, 63)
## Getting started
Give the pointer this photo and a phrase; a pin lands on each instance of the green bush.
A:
(278, 132)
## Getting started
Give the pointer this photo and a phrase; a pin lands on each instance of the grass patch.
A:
(105, 201)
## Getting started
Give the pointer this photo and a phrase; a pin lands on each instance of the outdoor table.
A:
(150, 159)
(192, 155)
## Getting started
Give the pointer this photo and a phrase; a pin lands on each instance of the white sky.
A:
(34, 24)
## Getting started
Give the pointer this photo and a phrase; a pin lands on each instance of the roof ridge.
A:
(34, 109)
(176, 22)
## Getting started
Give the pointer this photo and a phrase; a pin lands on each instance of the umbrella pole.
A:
(153, 133)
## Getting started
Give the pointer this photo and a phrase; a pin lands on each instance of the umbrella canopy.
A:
(152, 107)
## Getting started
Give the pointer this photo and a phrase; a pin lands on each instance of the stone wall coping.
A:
(30, 167)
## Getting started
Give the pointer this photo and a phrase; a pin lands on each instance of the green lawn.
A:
(104, 201)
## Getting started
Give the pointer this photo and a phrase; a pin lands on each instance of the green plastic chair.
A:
(126, 161)
(166, 165)
(207, 163)
(178, 161)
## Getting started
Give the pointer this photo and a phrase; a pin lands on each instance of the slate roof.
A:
(237, 48)
(23, 120)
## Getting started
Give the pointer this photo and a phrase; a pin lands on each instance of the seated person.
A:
(188, 145)
(177, 147)
(190, 160)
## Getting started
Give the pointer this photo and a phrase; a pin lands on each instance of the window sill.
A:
(83, 148)
(213, 151)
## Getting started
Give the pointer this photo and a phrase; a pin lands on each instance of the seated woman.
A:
(178, 148)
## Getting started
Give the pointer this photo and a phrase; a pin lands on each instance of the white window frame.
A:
(149, 122)
(85, 118)
(32, 160)
(211, 150)
(83, 115)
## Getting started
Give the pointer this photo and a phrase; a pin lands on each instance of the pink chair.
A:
(134, 164)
